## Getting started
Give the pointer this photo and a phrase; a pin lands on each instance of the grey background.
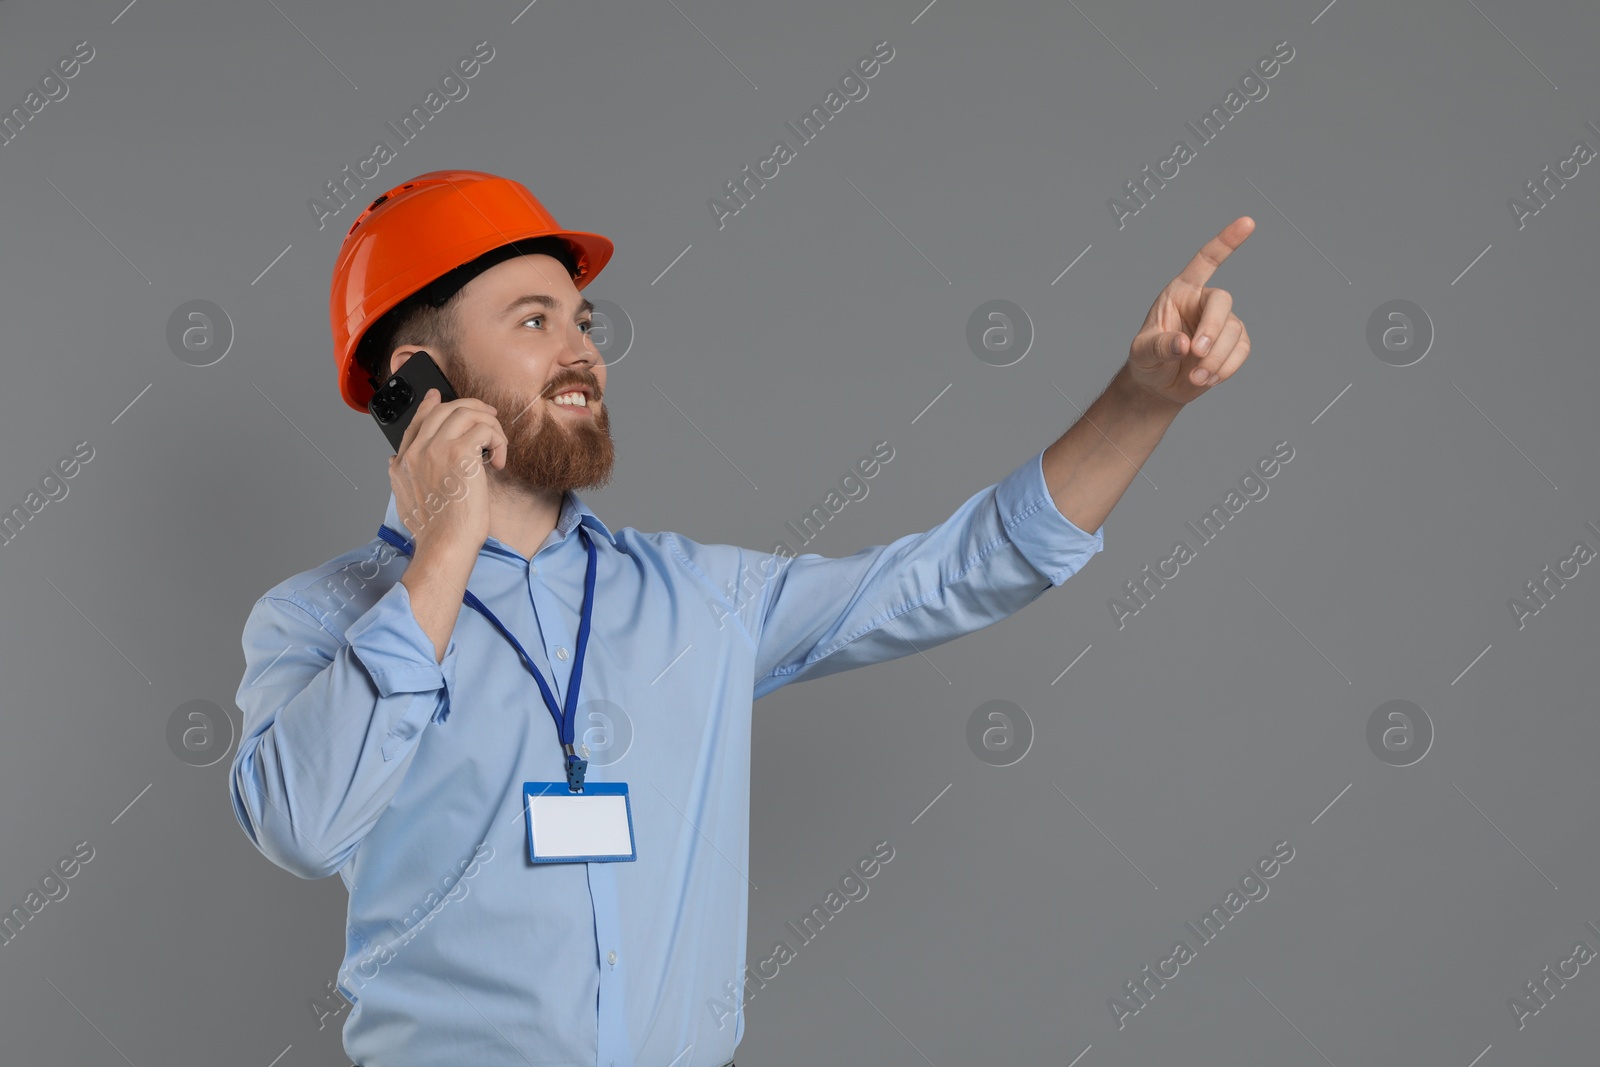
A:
(822, 319)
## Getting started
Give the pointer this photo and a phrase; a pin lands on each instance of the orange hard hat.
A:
(420, 231)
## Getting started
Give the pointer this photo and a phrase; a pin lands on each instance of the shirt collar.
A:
(573, 511)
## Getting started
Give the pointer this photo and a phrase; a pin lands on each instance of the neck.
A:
(522, 518)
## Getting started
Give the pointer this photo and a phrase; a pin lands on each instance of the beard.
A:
(545, 452)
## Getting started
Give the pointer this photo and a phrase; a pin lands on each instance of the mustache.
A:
(591, 381)
(555, 389)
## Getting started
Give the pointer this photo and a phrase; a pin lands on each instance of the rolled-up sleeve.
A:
(1000, 551)
(1037, 529)
(330, 724)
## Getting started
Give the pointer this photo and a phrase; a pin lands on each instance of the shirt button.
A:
(561, 653)
(532, 569)
(611, 957)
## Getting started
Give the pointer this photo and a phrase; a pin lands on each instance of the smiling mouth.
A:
(576, 409)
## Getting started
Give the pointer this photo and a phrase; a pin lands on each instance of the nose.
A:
(580, 350)
(580, 346)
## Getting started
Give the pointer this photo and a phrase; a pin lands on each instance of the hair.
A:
(416, 320)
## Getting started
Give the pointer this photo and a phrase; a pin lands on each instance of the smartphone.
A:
(395, 404)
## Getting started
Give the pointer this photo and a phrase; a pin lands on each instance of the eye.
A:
(587, 324)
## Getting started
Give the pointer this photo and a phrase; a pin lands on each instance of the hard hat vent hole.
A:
(378, 201)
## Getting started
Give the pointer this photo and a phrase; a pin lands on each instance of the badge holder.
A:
(592, 826)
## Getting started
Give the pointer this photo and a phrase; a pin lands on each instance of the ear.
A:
(398, 358)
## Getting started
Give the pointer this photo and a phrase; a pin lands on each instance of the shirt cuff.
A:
(1050, 541)
(397, 654)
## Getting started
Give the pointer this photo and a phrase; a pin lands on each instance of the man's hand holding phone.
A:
(442, 449)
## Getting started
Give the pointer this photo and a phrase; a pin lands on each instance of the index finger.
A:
(1210, 257)
(416, 420)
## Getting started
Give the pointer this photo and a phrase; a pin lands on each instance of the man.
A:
(390, 731)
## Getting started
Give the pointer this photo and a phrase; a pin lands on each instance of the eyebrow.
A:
(584, 305)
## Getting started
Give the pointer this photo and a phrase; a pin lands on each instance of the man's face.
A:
(524, 330)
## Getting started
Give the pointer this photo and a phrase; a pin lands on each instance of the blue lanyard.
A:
(565, 718)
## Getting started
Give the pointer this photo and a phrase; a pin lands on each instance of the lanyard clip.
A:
(576, 765)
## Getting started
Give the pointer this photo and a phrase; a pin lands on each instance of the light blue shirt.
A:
(364, 755)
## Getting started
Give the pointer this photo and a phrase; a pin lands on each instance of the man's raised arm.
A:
(1010, 542)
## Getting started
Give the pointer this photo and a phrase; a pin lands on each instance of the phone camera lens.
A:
(391, 400)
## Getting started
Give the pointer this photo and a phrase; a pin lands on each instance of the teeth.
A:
(570, 400)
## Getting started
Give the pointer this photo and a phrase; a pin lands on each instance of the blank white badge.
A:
(594, 826)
